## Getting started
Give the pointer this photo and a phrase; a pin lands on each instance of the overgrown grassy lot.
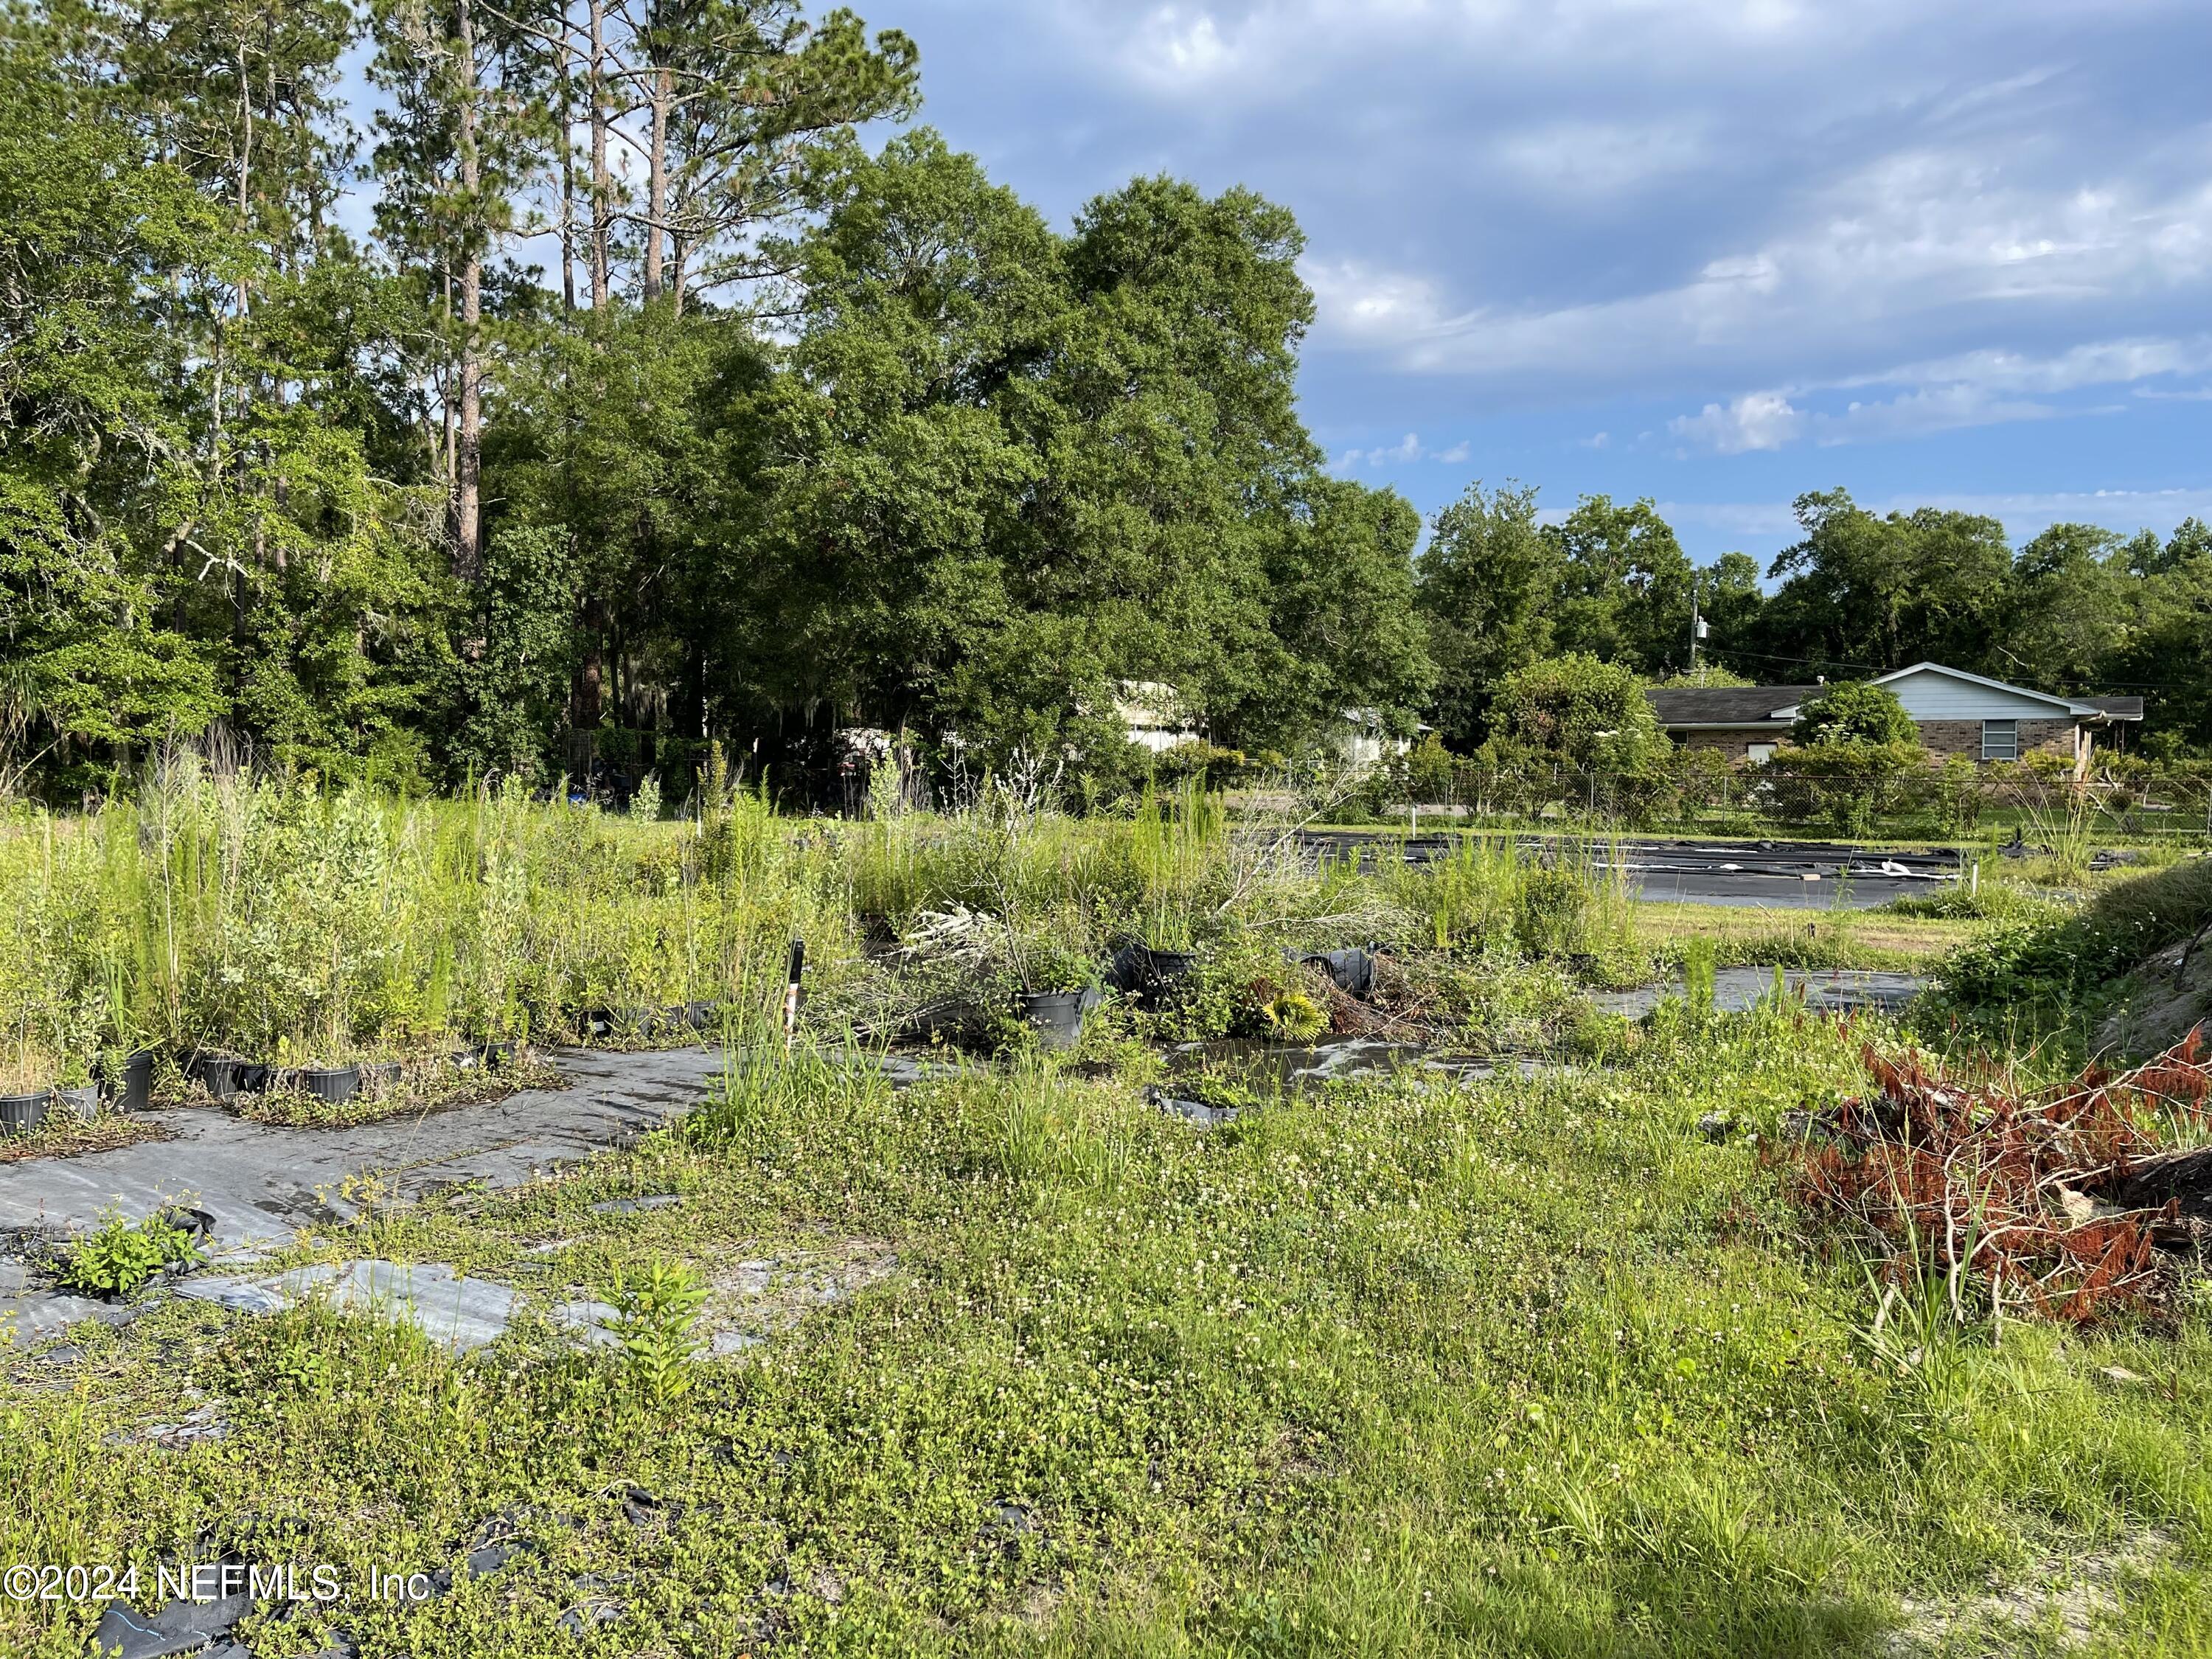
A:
(1519, 1366)
(1015, 1362)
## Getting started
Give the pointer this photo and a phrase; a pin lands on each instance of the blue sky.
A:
(1717, 252)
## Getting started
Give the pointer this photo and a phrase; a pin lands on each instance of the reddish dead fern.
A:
(1964, 1177)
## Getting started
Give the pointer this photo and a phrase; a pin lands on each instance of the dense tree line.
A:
(606, 394)
(2075, 610)
(590, 390)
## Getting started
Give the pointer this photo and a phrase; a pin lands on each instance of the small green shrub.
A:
(1294, 1016)
(119, 1257)
(658, 1344)
(1700, 968)
(1854, 712)
(1551, 914)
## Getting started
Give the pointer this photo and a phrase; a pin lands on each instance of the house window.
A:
(2000, 740)
(1760, 753)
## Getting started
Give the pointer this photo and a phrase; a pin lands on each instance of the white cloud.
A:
(1406, 451)
(1913, 413)
(2106, 362)
(1173, 49)
(1907, 245)
(1603, 158)
(1758, 420)
(1377, 307)
(1769, 421)
(1977, 388)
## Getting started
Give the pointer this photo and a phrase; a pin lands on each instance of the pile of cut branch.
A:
(2058, 1202)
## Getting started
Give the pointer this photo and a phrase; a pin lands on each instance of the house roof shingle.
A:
(1723, 705)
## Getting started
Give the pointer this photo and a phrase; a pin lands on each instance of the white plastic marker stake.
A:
(790, 992)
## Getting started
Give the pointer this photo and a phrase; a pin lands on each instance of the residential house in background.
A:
(1957, 713)
(1153, 715)
(1362, 742)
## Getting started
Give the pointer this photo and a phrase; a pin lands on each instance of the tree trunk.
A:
(568, 182)
(468, 460)
(656, 198)
(596, 81)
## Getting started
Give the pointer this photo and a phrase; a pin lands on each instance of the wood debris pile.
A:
(2067, 1202)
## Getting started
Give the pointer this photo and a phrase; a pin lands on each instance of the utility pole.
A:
(1698, 629)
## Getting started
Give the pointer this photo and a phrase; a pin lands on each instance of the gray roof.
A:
(1679, 705)
(1724, 705)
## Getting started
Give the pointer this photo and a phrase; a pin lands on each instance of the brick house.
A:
(1957, 713)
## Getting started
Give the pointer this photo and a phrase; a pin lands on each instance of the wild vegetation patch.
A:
(1533, 1365)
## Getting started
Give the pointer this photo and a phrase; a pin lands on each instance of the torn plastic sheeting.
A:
(596, 1323)
(460, 1315)
(35, 1316)
(1191, 1111)
(178, 1627)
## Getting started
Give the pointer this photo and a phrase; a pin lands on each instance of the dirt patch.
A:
(444, 1089)
(2074, 1594)
(2168, 998)
(752, 1301)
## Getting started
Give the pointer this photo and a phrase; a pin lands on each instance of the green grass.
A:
(2052, 974)
(1799, 938)
(1529, 1367)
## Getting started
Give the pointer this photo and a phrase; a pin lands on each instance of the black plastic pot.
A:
(495, 1056)
(380, 1078)
(701, 1016)
(251, 1077)
(21, 1114)
(131, 1089)
(83, 1101)
(216, 1073)
(1162, 969)
(1353, 971)
(334, 1085)
(1055, 1016)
